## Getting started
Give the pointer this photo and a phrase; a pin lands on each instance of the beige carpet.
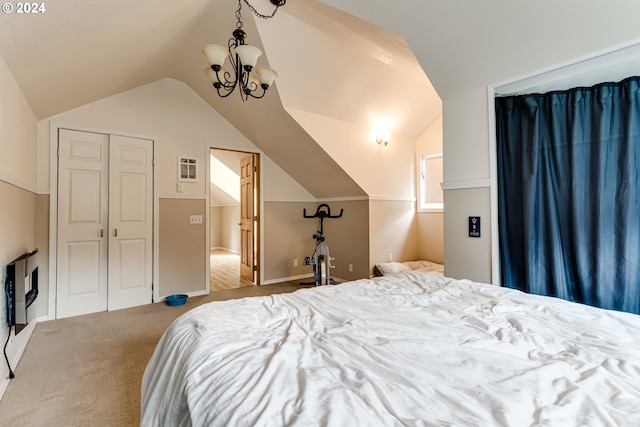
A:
(87, 370)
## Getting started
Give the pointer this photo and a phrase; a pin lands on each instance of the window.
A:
(187, 169)
(429, 189)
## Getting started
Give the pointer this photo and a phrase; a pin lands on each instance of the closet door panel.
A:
(82, 222)
(130, 221)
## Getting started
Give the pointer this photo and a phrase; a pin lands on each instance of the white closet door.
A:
(105, 222)
(130, 221)
(82, 223)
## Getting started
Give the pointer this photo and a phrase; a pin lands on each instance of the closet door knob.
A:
(115, 233)
(101, 233)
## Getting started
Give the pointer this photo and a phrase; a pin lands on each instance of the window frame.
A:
(424, 205)
(187, 165)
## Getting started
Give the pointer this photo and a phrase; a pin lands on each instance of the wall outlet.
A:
(179, 188)
(350, 268)
(195, 219)
(295, 262)
(390, 257)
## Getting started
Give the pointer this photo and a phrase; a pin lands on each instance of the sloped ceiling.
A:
(330, 63)
(338, 66)
(466, 44)
(224, 185)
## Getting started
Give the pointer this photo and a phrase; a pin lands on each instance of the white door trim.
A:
(54, 127)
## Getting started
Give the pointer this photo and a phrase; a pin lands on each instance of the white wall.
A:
(184, 124)
(166, 109)
(17, 133)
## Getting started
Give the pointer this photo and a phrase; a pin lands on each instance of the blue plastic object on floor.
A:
(176, 299)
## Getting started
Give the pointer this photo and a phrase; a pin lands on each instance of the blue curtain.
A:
(569, 193)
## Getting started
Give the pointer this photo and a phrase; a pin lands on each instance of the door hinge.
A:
(255, 218)
(255, 169)
(255, 268)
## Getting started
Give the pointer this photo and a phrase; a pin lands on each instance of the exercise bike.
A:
(320, 259)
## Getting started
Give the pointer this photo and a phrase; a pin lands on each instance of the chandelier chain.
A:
(239, 15)
(260, 15)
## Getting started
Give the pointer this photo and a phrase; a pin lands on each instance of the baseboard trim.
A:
(15, 358)
(286, 279)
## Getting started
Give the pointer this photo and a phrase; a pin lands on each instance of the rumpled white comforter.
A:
(413, 349)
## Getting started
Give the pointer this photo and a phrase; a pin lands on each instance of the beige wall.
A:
(215, 227)
(466, 167)
(224, 229)
(287, 236)
(430, 224)
(431, 241)
(476, 252)
(182, 247)
(394, 230)
(18, 177)
(17, 236)
(348, 238)
(42, 243)
(17, 225)
(290, 236)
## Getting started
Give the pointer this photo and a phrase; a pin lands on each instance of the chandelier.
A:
(252, 81)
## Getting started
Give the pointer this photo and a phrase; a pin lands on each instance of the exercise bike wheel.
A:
(322, 272)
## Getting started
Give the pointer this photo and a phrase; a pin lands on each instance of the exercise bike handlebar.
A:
(320, 213)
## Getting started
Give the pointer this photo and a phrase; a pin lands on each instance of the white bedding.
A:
(412, 349)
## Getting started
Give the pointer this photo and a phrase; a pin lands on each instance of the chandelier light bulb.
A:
(215, 54)
(248, 56)
(266, 75)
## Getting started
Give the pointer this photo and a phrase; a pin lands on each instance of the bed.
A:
(413, 348)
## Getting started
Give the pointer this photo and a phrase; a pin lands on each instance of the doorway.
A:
(234, 195)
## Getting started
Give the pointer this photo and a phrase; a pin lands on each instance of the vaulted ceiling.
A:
(330, 63)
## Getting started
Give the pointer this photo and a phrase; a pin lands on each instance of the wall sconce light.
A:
(383, 138)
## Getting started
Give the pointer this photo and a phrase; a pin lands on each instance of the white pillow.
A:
(392, 267)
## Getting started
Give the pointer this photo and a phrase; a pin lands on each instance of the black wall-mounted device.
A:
(474, 226)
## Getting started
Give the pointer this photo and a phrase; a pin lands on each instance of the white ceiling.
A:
(330, 63)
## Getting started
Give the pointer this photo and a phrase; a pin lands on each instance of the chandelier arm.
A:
(227, 84)
(220, 90)
(253, 95)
